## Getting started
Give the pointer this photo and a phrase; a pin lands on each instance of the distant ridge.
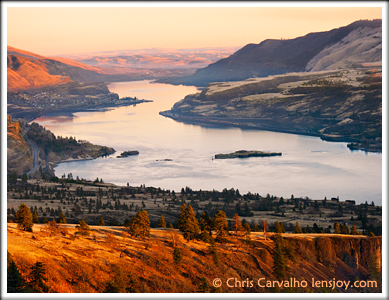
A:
(272, 57)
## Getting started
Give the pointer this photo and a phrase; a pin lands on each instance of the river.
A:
(175, 155)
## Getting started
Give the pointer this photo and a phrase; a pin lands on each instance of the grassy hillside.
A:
(335, 105)
(111, 260)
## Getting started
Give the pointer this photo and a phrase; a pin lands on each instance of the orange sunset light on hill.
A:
(66, 30)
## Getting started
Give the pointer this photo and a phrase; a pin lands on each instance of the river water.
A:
(175, 155)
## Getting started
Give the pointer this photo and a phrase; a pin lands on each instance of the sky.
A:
(55, 31)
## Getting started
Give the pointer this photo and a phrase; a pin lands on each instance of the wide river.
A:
(175, 155)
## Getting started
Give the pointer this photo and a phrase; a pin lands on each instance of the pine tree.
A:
(140, 225)
(161, 222)
(15, 281)
(35, 218)
(213, 251)
(344, 229)
(354, 230)
(206, 223)
(265, 228)
(45, 221)
(101, 222)
(187, 222)
(279, 228)
(24, 218)
(62, 218)
(83, 228)
(221, 226)
(177, 256)
(38, 278)
(297, 228)
(256, 228)
(237, 225)
(279, 260)
(337, 228)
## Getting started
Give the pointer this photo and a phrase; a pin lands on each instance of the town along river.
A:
(173, 155)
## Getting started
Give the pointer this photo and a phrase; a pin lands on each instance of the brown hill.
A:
(111, 259)
(27, 70)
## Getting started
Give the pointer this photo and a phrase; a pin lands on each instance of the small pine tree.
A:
(187, 222)
(24, 218)
(83, 228)
(237, 225)
(265, 228)
(213, 251)
(354, 230)
(177, 256)
(35, 218)
(256, 228)
(140, 225)
(279, 260)
(38, 278)
(161, 222)
(62, 219)
(45, 221)
(337, 228)
(221, 226)
(171, 226)
(344, 229)
(297, 228)
(279, 228)
(101, 222)
(15, 281)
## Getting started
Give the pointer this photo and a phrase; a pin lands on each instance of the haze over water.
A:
(308, 167)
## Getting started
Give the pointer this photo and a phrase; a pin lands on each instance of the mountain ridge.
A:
(272, 56)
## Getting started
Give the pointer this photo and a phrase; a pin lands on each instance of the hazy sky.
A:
(67, 30)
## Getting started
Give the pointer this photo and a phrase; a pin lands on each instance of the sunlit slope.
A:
(110, 256)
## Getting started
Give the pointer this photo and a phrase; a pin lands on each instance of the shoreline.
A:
(235, 123)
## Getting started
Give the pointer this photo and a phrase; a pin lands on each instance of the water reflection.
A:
(308, 166)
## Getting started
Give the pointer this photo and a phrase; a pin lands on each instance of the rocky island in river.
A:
(245, 153)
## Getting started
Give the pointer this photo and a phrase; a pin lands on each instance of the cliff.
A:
(110, 259)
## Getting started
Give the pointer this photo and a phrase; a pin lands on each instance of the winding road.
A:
(36, 153)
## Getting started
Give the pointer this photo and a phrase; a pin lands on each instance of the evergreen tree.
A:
(140, 225)
(161, 222)
(265, 228)
(354, 230)
(15, 281)
(221, 226)
(38, 278)
(213, 251)
(237, 225)
(62, 218)
(24, 218)
(177, 256)
(206, 223)
(344, 229)
(101, 222)
(122, 282)
(83, 228)
(279, 228)
(187, 222)
(256, 228)
(45, 221)
(337, 228)
(279, 260)
(35, 217)
(297, 228)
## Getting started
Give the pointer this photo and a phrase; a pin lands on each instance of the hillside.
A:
(19, 153)
(110, 260)
(341, 105)
(359, 42)
(50, 149)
